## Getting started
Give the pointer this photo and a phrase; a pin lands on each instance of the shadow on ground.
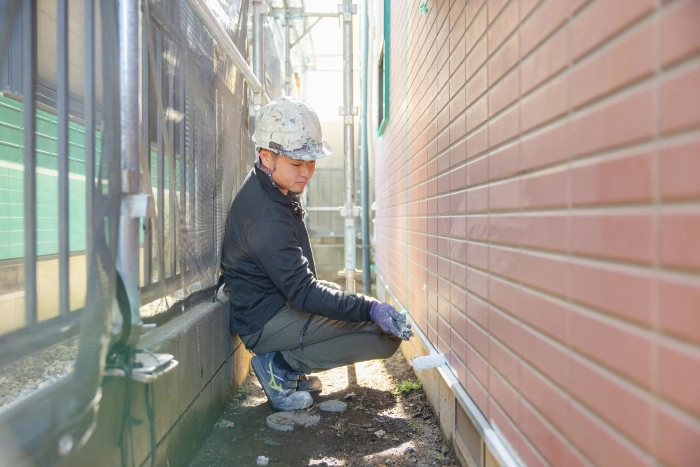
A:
(386, 423)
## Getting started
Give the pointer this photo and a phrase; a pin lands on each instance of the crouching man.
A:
(294, 323)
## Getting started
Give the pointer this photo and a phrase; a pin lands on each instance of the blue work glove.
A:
(390, 320)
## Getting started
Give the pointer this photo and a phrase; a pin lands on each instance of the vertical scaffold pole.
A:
(346, 10)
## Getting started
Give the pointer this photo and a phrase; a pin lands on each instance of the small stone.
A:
(333, 406)
(408, 450)
(262, 460)
(286, 421)
(379, 433)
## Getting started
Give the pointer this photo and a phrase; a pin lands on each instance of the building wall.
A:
(538, 193)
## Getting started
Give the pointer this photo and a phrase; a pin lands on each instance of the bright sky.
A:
(324, 90)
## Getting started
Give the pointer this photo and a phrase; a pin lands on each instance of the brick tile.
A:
(477, 283)
(504, 395)
(494, 8)
(627, 237)
(679, 167)
(620, 65)
(477, 227)
(547, 273)
(475, 116)
(624, 294)
(478, 141)
(477, 171)
(475, 59)
(678, 439)
(478, 310)
(548, 399)
(679, 240)
(603, 20)
(544, 354)
(478, 339)
(475, 386)
(478, 199)
(678, 308)
(679, 378)
(680, 101)
(625, 121)
(475, 88)
(505, 295)
(458, 154)
(458, 345)
(504, 59)
(624, 407)
(680, 35)
(542, 435)
(505, 362)
(476, 25)
(504, 328)
(505, 229)
(627, 351)
(626, 179)
(504, 161)
(545, 189)
(547, 232)
(545, 105)
(478, 255)
(504, 195)
(504, 25)
(528, 455)
(505, 425)
(601, 444)
(504, 262)
(457, 129)
(546, 147)
(504, 127)
(542, 313)
(526, 7)
(458, 273)
(504, 93)
(458, 178)
(547, 18)
(545, 62)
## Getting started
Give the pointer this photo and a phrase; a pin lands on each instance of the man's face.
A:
(289, 174)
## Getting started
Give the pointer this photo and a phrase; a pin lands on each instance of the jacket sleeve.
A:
(274, 248)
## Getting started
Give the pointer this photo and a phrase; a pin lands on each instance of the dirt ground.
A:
(388, 422)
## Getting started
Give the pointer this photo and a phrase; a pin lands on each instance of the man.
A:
(294, 323)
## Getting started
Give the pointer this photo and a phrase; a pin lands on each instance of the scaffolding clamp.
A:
(140, 206)
(348, 113)
(347, 11)
(355, 212)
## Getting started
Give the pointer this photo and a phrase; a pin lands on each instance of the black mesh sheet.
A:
(196, 150)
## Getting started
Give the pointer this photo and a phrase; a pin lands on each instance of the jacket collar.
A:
(275, 193)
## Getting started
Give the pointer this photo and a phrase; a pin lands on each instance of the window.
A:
(383, 76)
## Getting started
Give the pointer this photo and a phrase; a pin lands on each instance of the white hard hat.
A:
(290, 127)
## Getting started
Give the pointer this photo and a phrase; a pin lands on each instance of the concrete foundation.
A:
(187, 401)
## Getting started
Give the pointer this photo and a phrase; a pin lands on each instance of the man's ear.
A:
(265, 157)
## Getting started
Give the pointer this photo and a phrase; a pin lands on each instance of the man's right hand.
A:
(390, 320)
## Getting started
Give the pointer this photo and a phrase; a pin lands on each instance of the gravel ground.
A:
(23, 377)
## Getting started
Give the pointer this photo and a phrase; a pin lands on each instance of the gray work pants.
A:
(324, 344)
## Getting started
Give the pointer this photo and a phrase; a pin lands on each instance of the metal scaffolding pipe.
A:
(128, 245)
(287, 56)
(200, 7)
(346, 9)
(257, 49)
(366, 278)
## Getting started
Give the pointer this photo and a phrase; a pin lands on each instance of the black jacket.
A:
(267, 261)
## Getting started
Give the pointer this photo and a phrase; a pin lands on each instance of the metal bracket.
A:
(347, 11)
(140, 206)
(355, 212)
(150, 367)
(348, 113)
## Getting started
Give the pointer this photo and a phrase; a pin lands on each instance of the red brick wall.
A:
(538, 192)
